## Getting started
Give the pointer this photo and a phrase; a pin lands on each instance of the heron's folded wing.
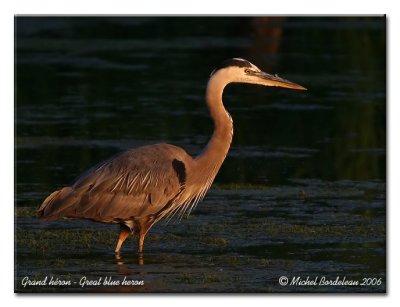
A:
(133, 184)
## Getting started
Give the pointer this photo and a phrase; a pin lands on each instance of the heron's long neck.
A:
(217, 148)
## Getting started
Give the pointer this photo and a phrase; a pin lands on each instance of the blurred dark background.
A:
(89, 87)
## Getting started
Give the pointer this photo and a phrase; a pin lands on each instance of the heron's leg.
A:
(123, 234)
(145, 226)
(141, 241)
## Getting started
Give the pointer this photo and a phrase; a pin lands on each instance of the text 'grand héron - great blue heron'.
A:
(141, 186)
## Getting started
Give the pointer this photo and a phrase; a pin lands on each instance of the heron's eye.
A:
(247, 71)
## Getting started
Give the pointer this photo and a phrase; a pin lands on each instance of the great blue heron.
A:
(141, 186)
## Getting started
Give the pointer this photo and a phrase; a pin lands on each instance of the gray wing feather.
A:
(135, 183)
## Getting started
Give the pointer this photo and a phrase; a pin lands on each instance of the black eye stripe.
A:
(234, 62)
(237, 62)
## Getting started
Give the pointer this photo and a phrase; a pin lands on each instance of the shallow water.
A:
(301, 193)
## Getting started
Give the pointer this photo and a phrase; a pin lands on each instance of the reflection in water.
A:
(267, 35)
(120, 262)
(122, 269)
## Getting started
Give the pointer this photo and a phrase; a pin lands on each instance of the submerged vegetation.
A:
(335, 226)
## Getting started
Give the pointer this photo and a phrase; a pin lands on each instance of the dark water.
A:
(302, 192)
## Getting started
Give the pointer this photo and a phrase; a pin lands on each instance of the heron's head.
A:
(238, 70)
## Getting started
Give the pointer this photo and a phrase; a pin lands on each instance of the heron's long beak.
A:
(274, 80)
